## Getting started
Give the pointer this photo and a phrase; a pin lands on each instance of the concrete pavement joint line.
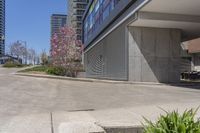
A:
(52, 128)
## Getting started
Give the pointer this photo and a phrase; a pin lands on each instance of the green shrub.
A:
(56, 71)
(61, 71)
(173, 122)
(47, 69)
(11, 64)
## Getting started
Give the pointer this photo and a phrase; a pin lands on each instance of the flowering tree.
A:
(66, 50)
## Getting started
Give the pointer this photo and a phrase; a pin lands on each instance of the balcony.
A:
(80, 1)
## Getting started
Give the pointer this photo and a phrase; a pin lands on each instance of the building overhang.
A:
(179, 14)
(193, 46)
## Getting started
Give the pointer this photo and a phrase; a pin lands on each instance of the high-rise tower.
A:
(76, 9)
(57, 21)
(2, 27)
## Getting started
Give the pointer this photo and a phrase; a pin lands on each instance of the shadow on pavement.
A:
(187, 84)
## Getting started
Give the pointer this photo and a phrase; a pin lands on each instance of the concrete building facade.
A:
(57, 21)
(2, 27)
(138, 40)
(76, 9)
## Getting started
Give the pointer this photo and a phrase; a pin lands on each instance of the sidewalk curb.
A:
(85, 79)
(123, 129)
(101, 80)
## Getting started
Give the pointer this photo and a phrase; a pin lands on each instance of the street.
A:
(27, 96)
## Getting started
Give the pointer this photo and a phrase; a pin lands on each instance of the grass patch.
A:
(36, 69)
(51, 70)
(45, 70)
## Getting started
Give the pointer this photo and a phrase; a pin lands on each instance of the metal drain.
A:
(80, 110)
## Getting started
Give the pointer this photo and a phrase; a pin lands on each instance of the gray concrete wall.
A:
(154, 54)
(108, 59)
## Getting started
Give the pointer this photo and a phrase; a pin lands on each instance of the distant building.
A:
(5, 58)
(2, 27)
(76, 9)
(57, 21)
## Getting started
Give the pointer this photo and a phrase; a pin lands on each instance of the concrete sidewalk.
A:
(47, 105)
(121, 120)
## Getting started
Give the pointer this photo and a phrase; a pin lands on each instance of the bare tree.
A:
(32, 56)
(37, 59)
(44, 57)
(17, 49)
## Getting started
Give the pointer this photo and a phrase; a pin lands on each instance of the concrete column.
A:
(154, 54)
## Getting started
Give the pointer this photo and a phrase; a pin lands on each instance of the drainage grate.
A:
(124, 130)
(79, 110)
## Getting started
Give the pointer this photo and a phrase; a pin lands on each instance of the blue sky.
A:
(29, 20)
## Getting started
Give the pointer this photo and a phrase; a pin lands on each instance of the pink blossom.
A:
(65, 49)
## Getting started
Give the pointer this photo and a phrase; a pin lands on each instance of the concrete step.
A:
(29, 123)
(75, 122)
(79, 127)
(124, 130)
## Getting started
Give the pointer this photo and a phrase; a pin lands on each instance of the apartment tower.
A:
(76, 9)
(57, 21)
(2, 27)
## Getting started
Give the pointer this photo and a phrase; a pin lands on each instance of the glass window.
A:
(106, 12)
(97, 6)
(98, 12)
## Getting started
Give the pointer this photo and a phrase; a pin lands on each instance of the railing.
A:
(194, 75)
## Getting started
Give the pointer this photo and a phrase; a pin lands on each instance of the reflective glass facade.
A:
(2, 27)
(57, 21)
(99, 10)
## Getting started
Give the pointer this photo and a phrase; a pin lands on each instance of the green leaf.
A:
(174, 122)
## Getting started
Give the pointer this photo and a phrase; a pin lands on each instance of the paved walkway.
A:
(40, 105)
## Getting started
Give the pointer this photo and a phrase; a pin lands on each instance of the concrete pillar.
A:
(154, 54)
